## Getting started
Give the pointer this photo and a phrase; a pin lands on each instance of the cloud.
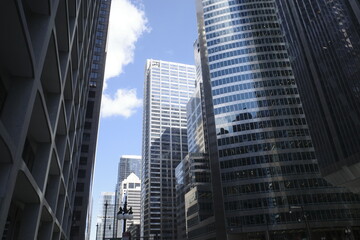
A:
(127, 23)
(125, 103)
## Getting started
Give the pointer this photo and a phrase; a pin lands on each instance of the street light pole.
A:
(125, 213)
(96, 235)
(106, 206)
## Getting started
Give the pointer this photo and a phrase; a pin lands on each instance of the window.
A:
(28, 154)
(78, 201)
(85, 148)
(92, 84)
(3, 94)
(86, 136)
(81, 173)
(92, 94)
(80, 187)
(87, 125)
(83, 160)
(89, 109)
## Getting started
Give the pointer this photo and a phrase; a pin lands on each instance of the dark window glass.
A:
(3, 94)
(80, 187)
(92, 94)
(89, 109)
(28, 154)
(85, 148)
(81, 173)
(87, 125)
(78, 201)
(86, 136)
(83, 160)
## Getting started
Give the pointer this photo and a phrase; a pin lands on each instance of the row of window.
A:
(295, 217)
(238, 44)
(258, 203)
(287, 82)
(230, 3)
(262, 136)
(261, 20)
(238, 9)
(275, 146)
(262, 124)
(274, 186)
(270, 172)
(257, 104)
(256, 94)
(251, 67)
(237, 14)
(260, 34)
(272, 158)
(247, 59)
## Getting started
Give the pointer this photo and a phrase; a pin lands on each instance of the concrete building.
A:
(82, 206)
(326, 64)
(262, 160)
(131, 187)
(47, 50)
(167, 89)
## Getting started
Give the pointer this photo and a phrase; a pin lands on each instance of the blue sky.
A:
(139, 30)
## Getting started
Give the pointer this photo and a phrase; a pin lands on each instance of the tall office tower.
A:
(261, 156)
(131, 187)
(45, 63)
(82, 207)
(324, 45)
(193, 189)
(105, 220)
(167, 89)
(128, 164)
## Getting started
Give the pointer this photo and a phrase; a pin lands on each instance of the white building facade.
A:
(167, 89)
(131, 187)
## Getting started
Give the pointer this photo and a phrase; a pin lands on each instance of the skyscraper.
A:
(324, 45)
(265, 178)
(106, 221)
(82, 207)
(193, 179)
(167, 89)
(47, 49)
(128, 164)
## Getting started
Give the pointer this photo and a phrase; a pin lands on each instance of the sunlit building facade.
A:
(167, 89)
(262, 158)
(131, 188)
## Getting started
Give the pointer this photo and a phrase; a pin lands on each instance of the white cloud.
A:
(124, 103)
(127, 23)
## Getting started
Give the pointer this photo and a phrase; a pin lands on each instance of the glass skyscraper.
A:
(128, 164)
(167, 89)
(324, 45)
(265, 178)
